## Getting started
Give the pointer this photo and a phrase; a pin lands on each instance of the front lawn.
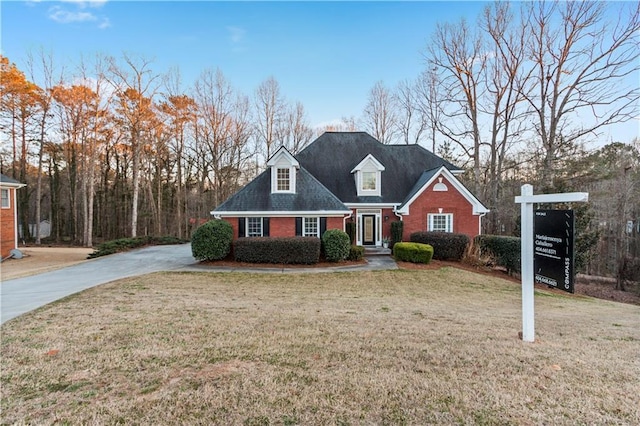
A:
(395, 347)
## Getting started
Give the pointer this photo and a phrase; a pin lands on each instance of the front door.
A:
(368, 230)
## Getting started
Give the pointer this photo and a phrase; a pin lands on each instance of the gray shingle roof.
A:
(332, 156)
(310, 195)
(7, 179)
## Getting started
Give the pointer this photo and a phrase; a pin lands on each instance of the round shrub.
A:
(336, 244)
(413, 252)
(212, 240)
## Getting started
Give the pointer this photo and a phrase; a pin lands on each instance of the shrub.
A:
(356, 253)
(446, 245)
(504, 250)
(212, 240)
(336, 245)
(285, 250)
(124, 244)
(396, 232)
(350, 227)
(413, 252)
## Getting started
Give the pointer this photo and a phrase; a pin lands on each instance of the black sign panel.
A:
(553, 260)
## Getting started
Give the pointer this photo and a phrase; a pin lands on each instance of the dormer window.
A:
(283, 167)
(368, 176)
(283, 179)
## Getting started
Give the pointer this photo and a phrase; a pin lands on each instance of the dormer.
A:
(368, 176)
(283, 167)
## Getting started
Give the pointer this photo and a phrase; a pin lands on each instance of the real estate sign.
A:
(553, 257)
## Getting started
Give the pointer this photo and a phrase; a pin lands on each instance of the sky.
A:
(327, 55)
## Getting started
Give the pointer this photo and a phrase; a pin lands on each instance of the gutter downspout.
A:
(480, 222)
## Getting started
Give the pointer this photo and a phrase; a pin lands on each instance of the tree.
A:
(412, 121)
(380, 114)
(270, 112)
(580, 64)
(134, 84)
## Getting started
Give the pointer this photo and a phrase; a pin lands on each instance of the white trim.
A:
(477, 206)
(368, 159)
(372, 205)
(12, 185)
(378, 227)
(246, 226)
(327, 213)
(283, 152)
(304, 224)
(8, 206)
(448, 225)
(283, 159)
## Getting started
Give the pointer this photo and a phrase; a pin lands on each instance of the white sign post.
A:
(526, 201)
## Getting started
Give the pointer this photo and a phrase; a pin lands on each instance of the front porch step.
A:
(377, 251)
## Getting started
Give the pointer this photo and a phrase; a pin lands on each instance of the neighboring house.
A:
(351, 176)
(8, 215)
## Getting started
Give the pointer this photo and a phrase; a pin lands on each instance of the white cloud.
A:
(104, 24)
(63, 16)
(236, 34)
(86, 3)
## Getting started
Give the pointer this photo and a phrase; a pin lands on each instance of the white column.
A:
(526, 261)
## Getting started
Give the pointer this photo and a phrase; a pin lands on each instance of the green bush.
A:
(505, 251)
(356, 253)
(285, 250)
(413, 252)
(336, 245)
(124, 244)
(446, 245)
(212, 240)
(396, 232)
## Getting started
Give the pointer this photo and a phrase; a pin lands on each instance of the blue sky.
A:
(327, 55)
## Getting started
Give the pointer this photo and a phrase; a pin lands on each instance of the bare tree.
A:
(270, 111)
(580, 68)
(428, 100)
(135, 85)
(411, 119)
(380, 114)
(294, 131)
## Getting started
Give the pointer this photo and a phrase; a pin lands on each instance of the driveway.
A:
(22, 295)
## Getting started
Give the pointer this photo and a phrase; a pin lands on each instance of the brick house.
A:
(351, 176)
(8, 215)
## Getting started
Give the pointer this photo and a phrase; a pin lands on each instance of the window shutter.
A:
(323, 226)
(241, 231)
(265, 226)
(298, 226)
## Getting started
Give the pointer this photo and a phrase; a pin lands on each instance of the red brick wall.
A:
(285, 226)
(451, 201)
(8, 226)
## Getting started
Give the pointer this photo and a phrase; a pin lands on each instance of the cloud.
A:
(78, 12)
(63, 16)
(236, 34)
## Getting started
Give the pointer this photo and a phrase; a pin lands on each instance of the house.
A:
(351, 176)
(8, 215)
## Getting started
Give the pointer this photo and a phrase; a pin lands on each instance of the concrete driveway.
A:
(26, 294)
(22, 295)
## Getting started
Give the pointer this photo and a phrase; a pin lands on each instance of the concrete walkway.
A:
(23, 295)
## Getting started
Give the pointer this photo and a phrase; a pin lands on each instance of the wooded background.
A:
(109, 147)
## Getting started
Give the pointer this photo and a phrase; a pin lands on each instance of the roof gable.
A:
(425, 181)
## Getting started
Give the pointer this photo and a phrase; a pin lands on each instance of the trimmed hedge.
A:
(124, 244)
(396, 232)
(356, 253)
(446, 245)
(336, 245)
(285, 250)
(212, 240)
(504, 250)
(413, 252)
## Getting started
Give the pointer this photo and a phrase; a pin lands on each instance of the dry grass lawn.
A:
(397, 347)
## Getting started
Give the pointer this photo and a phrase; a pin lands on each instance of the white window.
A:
(369, 181)
(442, 222)
(254, 227)
(310, 227)
(283, 181)
(5, 199)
